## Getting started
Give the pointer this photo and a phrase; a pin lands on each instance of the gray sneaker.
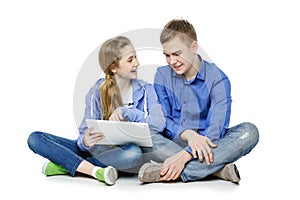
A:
(229, 173)
(149, 173)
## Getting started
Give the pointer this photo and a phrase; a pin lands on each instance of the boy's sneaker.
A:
(109, 175)
(51, 168)
(150, 172)
(229, 173)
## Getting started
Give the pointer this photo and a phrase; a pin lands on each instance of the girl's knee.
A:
(133, 148)
(133, 152)
(33, 139)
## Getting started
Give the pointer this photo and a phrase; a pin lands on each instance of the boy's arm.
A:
(171, 127)
(220, 109)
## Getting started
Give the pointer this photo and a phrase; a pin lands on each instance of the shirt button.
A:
(182, 122)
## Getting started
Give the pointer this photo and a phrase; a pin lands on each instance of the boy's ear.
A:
(195, 47)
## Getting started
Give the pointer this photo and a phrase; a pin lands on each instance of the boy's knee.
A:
(251, 132)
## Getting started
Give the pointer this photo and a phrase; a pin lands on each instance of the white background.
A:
(43, 45)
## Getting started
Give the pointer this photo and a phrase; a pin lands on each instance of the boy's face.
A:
(179, 55)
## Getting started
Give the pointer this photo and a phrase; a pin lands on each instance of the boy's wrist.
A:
(187, 135)
(186, 156)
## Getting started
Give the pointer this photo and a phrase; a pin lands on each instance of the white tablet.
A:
(120, 132)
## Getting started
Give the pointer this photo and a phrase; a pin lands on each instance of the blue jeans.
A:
(65, 152)
(125, 158)
(237, 142)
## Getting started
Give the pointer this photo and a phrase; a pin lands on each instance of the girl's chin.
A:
(133, 77)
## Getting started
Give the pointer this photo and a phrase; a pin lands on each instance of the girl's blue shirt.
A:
(145, 108)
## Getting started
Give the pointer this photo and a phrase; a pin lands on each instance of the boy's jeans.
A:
(237, 142)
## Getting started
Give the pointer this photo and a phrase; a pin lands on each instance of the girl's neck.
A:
(124, 85)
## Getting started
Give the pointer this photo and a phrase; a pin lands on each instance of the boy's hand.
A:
(200, 145)
(173, 166)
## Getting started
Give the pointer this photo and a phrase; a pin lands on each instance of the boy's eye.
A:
(173, 54)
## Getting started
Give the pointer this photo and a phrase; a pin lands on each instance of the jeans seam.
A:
(75, 167)
(183, 177)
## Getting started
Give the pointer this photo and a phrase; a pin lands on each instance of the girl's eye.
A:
(131, 59)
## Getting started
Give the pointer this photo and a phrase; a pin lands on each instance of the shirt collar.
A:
(200, 74)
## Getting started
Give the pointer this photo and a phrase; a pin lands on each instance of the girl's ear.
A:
(113, 68)
(194, 47)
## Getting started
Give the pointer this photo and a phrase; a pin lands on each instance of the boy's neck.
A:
(195, 67)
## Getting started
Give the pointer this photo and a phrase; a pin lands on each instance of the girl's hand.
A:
(90, 139)
(116, 115)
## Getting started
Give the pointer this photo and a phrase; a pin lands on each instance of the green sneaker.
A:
(109, 175)
(50, 169)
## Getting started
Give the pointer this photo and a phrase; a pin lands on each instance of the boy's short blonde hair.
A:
(180, 28)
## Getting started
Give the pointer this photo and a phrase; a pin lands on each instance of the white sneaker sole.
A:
(45, 166)
(110, 175)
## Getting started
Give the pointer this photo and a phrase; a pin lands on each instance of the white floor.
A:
(257, 181)
(83, 187)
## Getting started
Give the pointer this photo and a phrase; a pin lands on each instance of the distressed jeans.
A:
(237, 142)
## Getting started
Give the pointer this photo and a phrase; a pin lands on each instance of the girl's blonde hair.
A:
(109, 57)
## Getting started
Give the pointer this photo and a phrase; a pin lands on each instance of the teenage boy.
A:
(196, 98)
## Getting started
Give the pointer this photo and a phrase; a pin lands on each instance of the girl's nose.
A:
(136, 63)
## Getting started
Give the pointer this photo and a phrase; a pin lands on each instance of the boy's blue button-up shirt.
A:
(202, 104)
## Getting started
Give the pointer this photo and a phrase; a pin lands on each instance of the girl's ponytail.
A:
(110, 97)
(109, 56)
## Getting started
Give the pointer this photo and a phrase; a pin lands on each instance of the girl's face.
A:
(128, 64)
